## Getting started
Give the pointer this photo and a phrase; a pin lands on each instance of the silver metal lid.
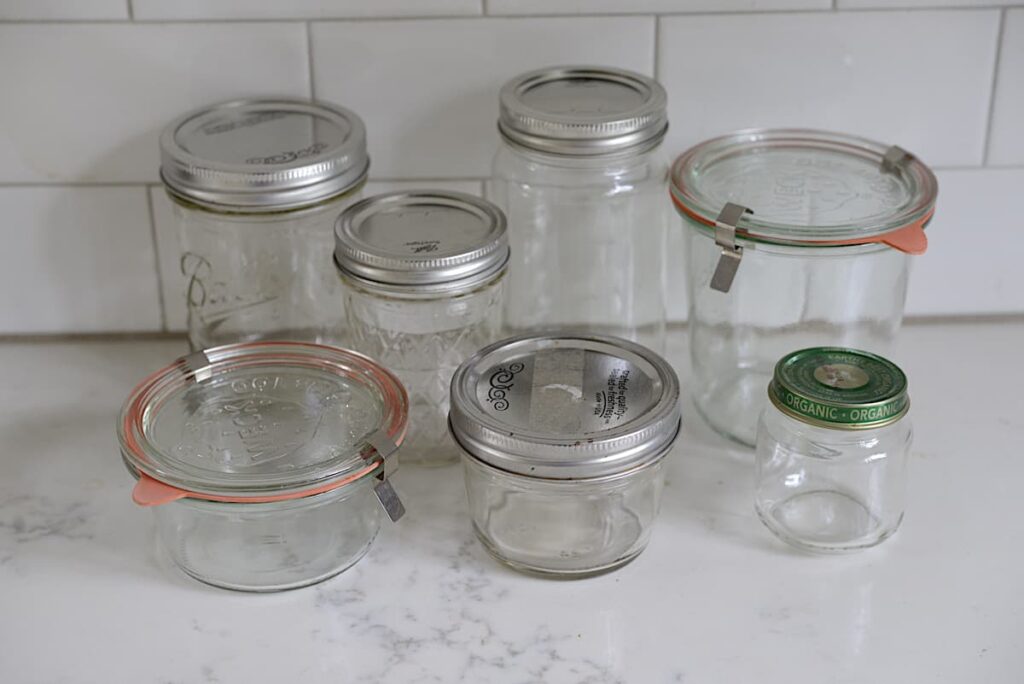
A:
(264, 155)
(428, 240)
(565, 406)
(583, 110)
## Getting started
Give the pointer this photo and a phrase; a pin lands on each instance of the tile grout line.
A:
(986, 150)
(164, 327)
(309, 59)
(131, 10)
(656, 57)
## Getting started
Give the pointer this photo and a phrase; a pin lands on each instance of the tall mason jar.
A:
(793, 238)
(581, 179)
(423, 276)
(256, 186)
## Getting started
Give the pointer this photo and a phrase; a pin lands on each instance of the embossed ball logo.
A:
(501, 382)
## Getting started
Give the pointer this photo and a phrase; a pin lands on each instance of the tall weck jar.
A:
(581, 179)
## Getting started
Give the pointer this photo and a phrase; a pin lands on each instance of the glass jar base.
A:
(728, 405)
(824, 521)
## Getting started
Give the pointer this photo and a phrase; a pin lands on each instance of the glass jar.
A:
(832, 450)
(564, 439)
(424, 283)
(263, 461)
(792, 238)
(581, 179)
(256, 186)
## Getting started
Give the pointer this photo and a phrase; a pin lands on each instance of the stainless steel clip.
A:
(725, 237)
(379, 445)
(894, 158)
(198, 364)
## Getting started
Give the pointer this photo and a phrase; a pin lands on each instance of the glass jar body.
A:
(782, 298)
(423, 339)
(270, 546)
(588, 241)
(828, 490)
(563, 528)
(260, 276)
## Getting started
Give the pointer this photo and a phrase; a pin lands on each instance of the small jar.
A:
(564, 442)
(582, 179)
(264, 462)
(256, 186)
(832, 450)
(424, 282)
(793, 238)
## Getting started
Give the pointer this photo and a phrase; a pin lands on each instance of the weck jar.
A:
(255, 187)
(581, 177)
(564, 442)
(793, 238)
(424, 282)
(265, 463)
(832, 450)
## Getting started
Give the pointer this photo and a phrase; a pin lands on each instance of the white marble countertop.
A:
(85, 596)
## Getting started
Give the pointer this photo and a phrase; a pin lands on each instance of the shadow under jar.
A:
(832, 450)
(424, 283)
(256, 186)
(793, 238)
(264, 462)
(564, 440)
(581, 177)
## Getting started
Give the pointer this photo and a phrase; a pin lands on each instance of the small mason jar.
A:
(264, 462)
(256, 186)
(564, 439)
(793, 238)
(424, 282)
(832, 450)
(582, 179)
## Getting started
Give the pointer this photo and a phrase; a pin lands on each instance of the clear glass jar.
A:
(581, 179)
(832, 450)
(821, 257)
(256, 186)
(424, 283)
(263, 462)
(564, 439)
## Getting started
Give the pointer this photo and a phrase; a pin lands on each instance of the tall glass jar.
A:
(423, 275)
(581, 179)
(832, 450)
(256, 186)
(793, 238)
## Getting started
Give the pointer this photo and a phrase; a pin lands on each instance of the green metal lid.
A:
(840, 388)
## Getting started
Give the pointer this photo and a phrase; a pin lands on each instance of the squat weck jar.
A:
(564, 441)
(793, 238)
(256, 186)
(265, 463)
(424, 282)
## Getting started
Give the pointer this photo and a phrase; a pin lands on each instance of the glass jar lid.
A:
(264, 155)
(565, 406)
(583, 110)
(427, 241)
(808, 187)
(839, 388)
(264, 421)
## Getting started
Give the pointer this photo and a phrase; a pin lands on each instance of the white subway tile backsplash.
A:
(648, 6)
(974, 247)
(918, 79)
(72, 10)
(87, 102)
(891, 4)
(172, 282)
(76, 260)
(301, 9)
(1006, 140)
(428, 90)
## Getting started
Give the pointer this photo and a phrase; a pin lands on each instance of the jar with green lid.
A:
(832, 449)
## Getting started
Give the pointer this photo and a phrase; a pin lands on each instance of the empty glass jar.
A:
(264, 462)
(564, 439)
(424, 282)
(581, 179)
(832, 450)
(792, 237)
(256, 186)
